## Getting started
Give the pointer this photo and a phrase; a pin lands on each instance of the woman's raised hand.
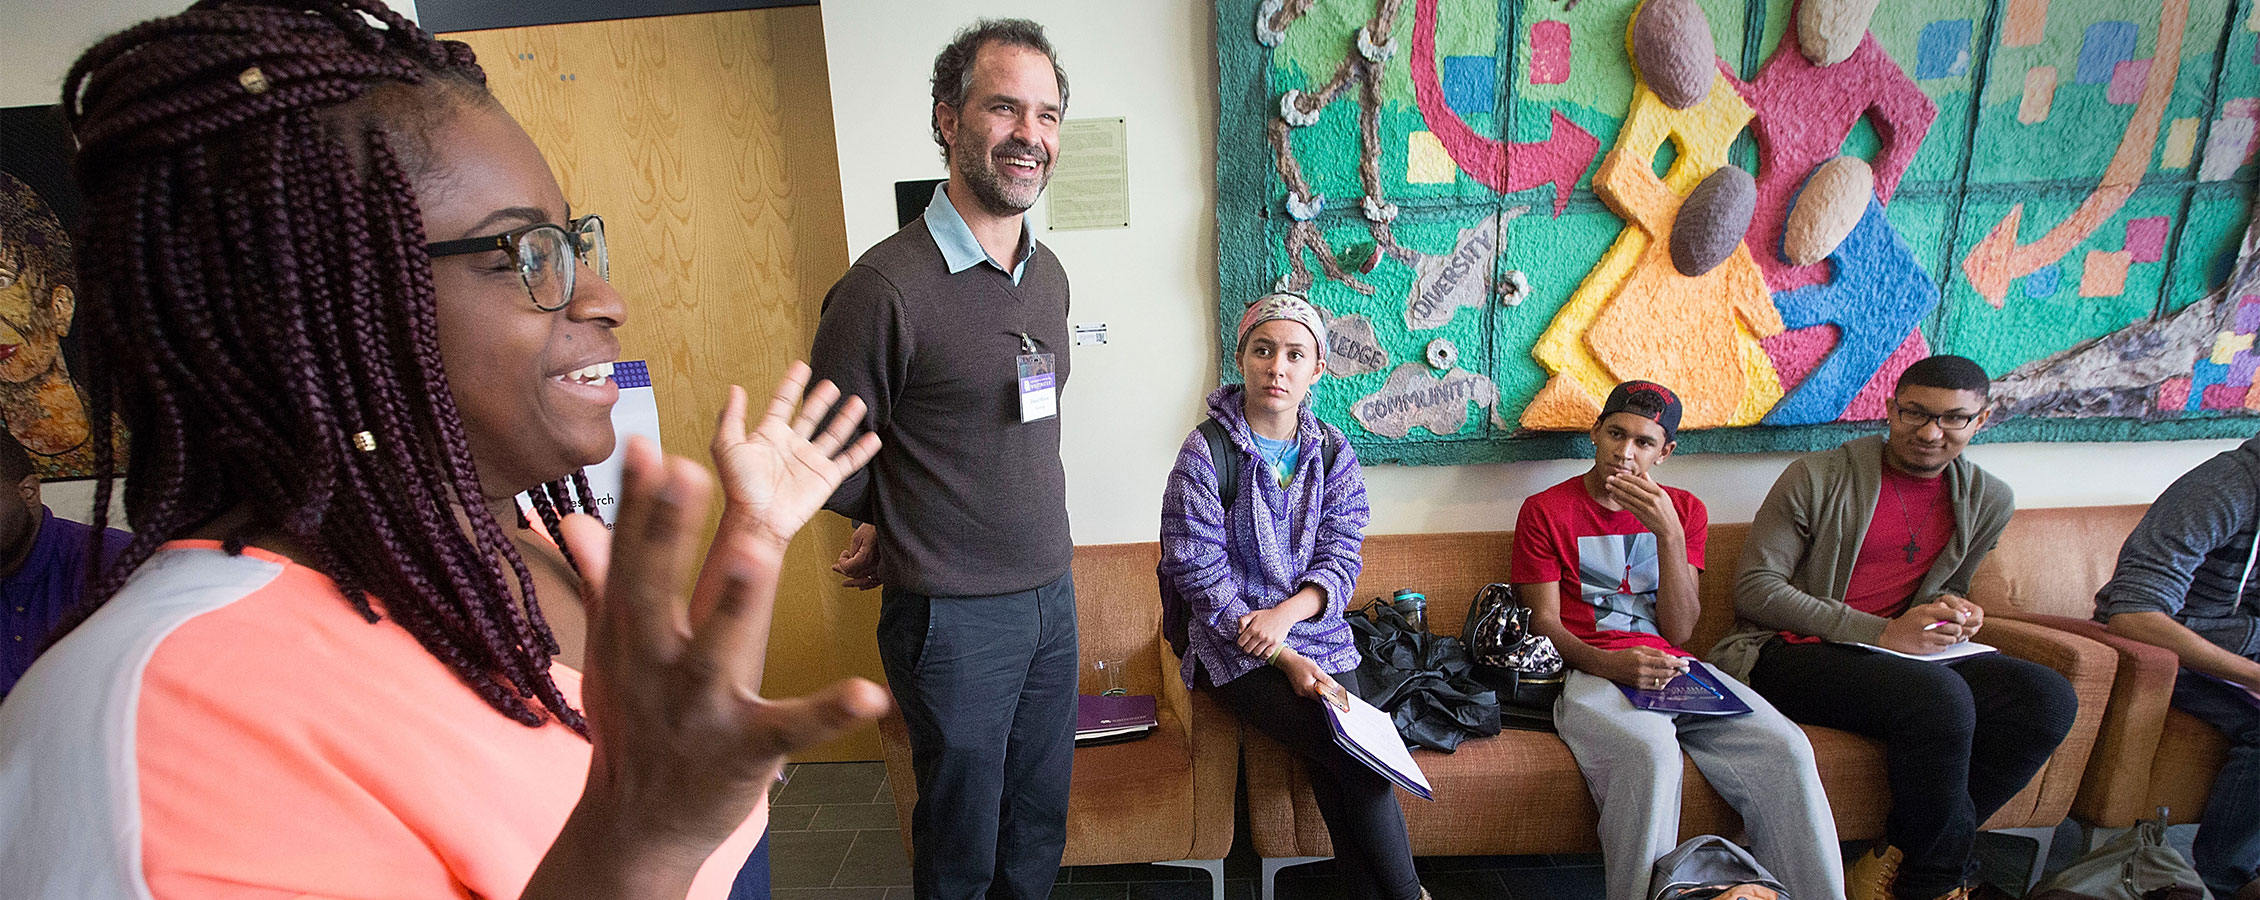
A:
(777, 475)
(685, 745)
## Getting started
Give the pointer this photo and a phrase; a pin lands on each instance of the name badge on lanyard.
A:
(1039, 391)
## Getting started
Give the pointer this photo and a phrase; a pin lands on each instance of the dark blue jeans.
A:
(987, 688)
(753, 879)
(2227, 849)
(1959, 739)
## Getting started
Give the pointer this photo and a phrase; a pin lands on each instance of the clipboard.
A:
(1367, 734)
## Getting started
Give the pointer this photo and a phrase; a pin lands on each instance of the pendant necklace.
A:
(1272, 461)
(1908, 519)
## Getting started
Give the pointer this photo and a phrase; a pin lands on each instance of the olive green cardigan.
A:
(1797, 562)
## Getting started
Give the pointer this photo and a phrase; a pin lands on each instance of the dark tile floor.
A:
(833, 837)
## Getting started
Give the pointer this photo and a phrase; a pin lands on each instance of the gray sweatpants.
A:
(1761, 763)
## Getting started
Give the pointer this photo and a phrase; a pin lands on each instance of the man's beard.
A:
(997, 195)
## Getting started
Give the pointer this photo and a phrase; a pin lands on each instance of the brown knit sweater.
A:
(968, 500)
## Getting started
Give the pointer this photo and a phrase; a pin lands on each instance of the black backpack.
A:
(1709, 867)
(1227, 458)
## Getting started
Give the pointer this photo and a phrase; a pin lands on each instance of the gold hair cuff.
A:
(254, 81)
(365, 442)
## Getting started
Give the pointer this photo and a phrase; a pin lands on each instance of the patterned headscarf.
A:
(1283, 306)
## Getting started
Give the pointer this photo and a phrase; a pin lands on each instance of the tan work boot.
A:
(1872, 874)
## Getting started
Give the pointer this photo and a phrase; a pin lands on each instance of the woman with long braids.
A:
(347, 316)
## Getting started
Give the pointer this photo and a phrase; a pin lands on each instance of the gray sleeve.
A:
(1780, 535)
(2202, 511)
(863, 344)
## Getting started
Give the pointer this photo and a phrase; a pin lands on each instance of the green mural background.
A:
(2053, 338)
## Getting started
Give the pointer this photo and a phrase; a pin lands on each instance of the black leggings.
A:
(1371, 851)
(1960, 738)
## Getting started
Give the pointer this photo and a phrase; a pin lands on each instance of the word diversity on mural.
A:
(1773, 206)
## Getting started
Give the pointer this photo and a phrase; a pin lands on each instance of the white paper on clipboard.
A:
(1366, 733)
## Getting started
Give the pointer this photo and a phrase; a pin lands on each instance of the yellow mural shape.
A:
(1426, 161)
(1697, 335)
(2181, 144)
(2227, 345)
(1585, 357)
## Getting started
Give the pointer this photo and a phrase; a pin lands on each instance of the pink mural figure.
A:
(1806, 107)
(1681, 93)
(1828, 72)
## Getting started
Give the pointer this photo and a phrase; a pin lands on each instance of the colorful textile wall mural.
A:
(1773, 206)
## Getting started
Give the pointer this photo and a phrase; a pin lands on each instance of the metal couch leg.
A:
(1271, 869)
(1214, 868)
(2041, 837)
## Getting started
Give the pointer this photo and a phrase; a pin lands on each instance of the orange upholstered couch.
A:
(2147, 754)
(1166, 798)
(1520, 792)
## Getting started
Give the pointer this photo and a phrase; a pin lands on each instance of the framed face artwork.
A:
(43, 400)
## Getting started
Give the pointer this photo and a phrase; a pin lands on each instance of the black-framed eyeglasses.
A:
(1915, 418)
(543, 254)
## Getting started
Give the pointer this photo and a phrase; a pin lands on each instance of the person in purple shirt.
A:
(1267, 578)
(42, 563)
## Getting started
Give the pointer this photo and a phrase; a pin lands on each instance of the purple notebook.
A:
(1694, 691)
(1099, 717)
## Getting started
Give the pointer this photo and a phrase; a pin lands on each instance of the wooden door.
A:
(705, 141)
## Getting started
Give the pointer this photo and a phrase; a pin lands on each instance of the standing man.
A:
(1874, 543)
(42, 562)
(2184, 582)
(954, 331)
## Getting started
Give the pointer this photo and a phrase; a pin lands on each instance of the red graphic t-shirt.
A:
(1912, 521)
(1604, 560)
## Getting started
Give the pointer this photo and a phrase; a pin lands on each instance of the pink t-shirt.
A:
(1912, 523)
(228, 727)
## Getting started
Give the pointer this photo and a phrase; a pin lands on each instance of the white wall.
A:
(39, 39)
(1154, 283)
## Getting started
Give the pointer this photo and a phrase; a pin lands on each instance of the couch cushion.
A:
(1118, 615)
(1722, 556)
(1133, 802)
(1449, 568)
(2052, 561)
(1521, 792)
(1553, 810)
(2194, 749)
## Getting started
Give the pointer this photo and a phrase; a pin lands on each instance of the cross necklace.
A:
(1908, 518)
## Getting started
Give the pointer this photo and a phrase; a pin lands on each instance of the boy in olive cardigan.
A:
(1874, 543)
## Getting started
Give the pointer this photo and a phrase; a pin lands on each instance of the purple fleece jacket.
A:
(1274, 540)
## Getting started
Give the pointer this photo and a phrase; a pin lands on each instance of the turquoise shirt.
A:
(1279, 456)
(960, 249)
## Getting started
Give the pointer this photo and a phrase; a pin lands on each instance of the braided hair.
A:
(267, 315)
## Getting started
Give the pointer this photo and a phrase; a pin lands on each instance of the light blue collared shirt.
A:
(960, 249)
